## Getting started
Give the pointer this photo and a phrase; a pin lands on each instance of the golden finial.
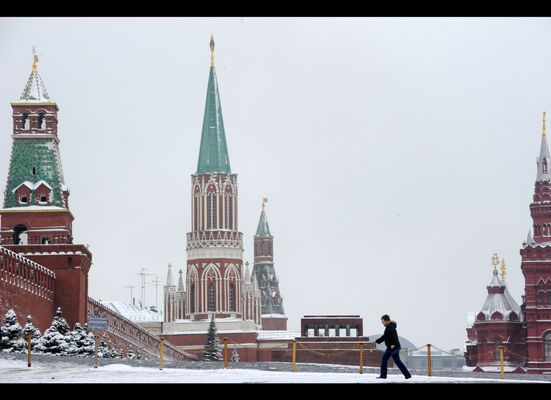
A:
(212, 50)
(503, 269)
(544, 129)
(264, 201)
(35, 59)
(495, 260)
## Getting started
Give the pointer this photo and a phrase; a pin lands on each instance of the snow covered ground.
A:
(16, 371)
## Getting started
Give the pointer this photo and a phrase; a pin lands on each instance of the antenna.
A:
(131, 297)
(156, 281)
(142, 294)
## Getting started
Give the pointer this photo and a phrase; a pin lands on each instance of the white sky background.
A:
(398, 154)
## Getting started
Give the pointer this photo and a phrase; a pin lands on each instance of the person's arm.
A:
(381, 339)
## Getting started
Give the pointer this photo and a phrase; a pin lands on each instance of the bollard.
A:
(162, 347)
(225, 352)
(97, 362)
(429, 366)
(294, 365)
(29, 350)
(501, 362)
(361, 358)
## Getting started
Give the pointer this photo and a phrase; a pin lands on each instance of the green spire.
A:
(263, 227)
(213, 154)
(35, 90)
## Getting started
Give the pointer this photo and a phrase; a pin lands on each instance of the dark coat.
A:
(390, 337)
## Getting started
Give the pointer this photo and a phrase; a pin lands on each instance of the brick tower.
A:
(36, 221)
(214, 245)
(536, 267)
(273, 316)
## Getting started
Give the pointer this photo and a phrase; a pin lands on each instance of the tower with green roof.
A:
(214, 278)
(35, 220)
(273, 315)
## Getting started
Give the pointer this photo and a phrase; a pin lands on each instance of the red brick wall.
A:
(27, 292)
(274, 324)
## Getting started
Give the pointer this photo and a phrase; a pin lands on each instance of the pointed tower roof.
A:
(213, 153)
(254, 281)
(35, 91)
(544, 159)
(180, 282)
(499, 299)
(263, 227)
(169, 279)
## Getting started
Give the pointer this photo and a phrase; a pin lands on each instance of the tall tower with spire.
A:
(536, 266)
(214, 245)
(273, 316)
(35, 219)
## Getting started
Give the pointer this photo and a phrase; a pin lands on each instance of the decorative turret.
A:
(540, 210)
(180, 281)
(273, 315)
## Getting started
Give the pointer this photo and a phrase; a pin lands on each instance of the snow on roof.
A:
(133, 312)
(277, 335)
(274, 315)
(34, 208)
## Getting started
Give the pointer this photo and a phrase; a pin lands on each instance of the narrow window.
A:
(24, 200)
(547, 341)
(34, 170)
(229, 211)
(498, 345)
(232, 297)
(43, 199)
(41, 121)
(549, 298)
(212, 298)
(25, 123)
(211, 211)
(541, 299)
(192, 298)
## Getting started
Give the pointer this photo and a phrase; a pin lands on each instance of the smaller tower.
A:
(169, 295)
(273, 315)
(499, 323)
(251, 298)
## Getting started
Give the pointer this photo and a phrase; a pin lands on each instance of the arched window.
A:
(212, 298)
(192, 298)
(547, 346)
(232, 297)
(41, 121)
(25, 122)
(229, 211)
(541, 299)
(497, 346)
(211, 211)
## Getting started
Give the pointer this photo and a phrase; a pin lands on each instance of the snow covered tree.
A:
(213, 352)
(82, 342)
(56, 339)
(11, 332)
(234, 355)
(107, 350)
(29, 328)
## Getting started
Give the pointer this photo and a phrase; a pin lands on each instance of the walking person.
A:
(390, 337)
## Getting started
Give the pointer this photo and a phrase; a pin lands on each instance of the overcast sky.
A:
(397, 153)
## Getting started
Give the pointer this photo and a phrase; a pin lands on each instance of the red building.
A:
(526, 337)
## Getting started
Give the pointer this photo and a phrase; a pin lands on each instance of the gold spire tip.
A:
(35, 59)
(544, 129)
(495, 260)
(503, 269)
(211, 50)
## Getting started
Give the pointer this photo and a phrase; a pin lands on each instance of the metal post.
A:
(501, 361)
(97, 361)
(225, 352)
(361, 358)
(294, 365)
(29, 349)
(162, 346)
(429, 366)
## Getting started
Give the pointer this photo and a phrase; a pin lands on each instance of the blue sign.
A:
(97, 323)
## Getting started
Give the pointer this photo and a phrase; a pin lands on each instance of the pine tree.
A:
(81, 342)
(107, 350)
(56, 339)
(11, 332)
(213, 352)
(235, 355)
(29, 328)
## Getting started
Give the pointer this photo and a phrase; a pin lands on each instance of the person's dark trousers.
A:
(395, 354)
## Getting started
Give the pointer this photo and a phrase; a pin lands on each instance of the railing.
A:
(134, 336)
(196, 240)
(26, 275)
